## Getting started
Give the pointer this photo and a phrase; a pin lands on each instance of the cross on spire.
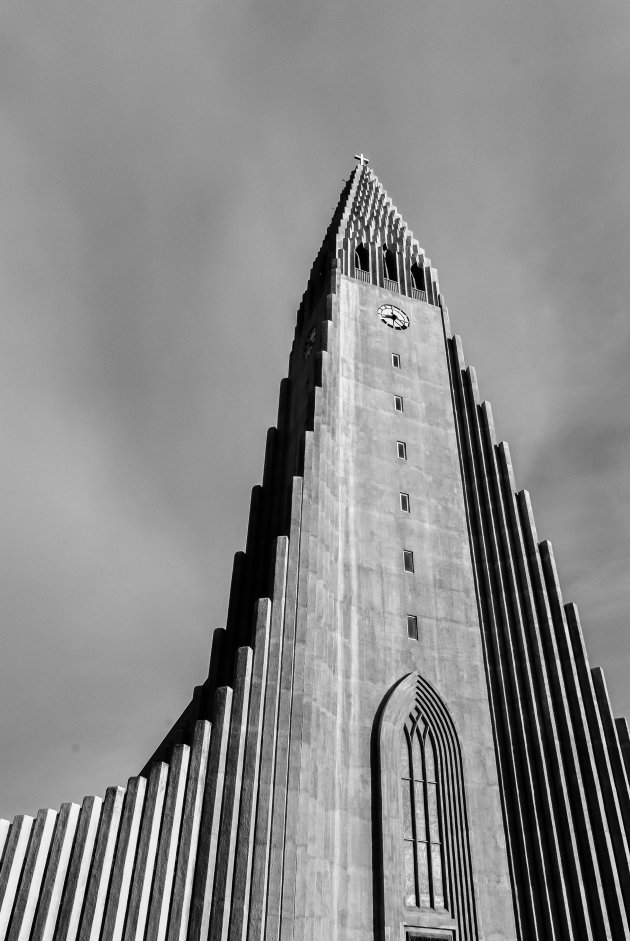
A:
(363, 160)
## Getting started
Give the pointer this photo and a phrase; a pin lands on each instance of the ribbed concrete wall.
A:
(563, 771)
(184, 852)
(107, 869)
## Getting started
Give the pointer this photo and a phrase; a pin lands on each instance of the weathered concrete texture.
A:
(67, 924)
(354, 599)
(189, 834)
(50, 894)
(16, 845)
(273, 810)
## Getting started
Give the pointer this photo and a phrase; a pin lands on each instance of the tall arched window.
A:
(362, 258)
(390, 264)
(424, 868)
(422, 825)
(417, 274)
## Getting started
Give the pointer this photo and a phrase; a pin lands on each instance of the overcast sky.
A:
(167, 172)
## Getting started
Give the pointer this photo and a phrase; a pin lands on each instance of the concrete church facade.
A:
(400, 736)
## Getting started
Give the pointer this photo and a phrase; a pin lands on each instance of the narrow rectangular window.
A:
(401, 447)
(405, 505)
(395, 360)
(412, 627)
(398, 403)
(408, 560)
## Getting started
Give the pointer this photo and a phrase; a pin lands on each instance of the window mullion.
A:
(427, 830)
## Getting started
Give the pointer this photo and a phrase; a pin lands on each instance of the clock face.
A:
(310, 343)
(393, 317)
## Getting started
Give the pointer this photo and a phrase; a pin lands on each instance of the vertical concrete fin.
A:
(309, 831)
(499, 648)
(264, 806)
(608, 761)
(224, 871)
(189, 834)
(553, 793)
(135, 922)
(285, 708)
(525, 912)
(98, 883)
(32, 875)
(471, 374)
(5, 826)
(208, 836)
(161, 888)
(12, 863)
(605, 897)
(56, 869)
(522, 652)
(67, 925)
(457, 350)
(552, 784)
(296, 824)
(122, 869)
(614, 749)
(623, 733)
(505, 615)
(507, 468)
(448, 333)
(249, 791)
(562, 755)
(488, 422)
(253, 525)
(238, 590)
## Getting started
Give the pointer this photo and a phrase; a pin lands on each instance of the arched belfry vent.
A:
(362, 260)
(424, 824)
(368, 240)
(372, 223)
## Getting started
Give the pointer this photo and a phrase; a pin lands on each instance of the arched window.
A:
(417, 274)
(422, 825)
(390, 264)
(424, 869)
(362, 258)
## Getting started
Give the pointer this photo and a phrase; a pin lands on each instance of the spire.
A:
(366, 216)
(371, 219)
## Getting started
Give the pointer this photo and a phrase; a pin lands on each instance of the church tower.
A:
(400, 736)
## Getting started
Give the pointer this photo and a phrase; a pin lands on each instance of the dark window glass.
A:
(417, 274)
(408, 560)
(405, 505)
(390, 266)
(362, 258)
(401, 447)
(398, 403)
(412, 626)
(395, 360)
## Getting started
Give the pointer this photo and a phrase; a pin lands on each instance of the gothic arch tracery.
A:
(427, 870)
(421, 816)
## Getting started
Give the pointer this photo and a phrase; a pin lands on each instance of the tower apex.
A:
(363, 160)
